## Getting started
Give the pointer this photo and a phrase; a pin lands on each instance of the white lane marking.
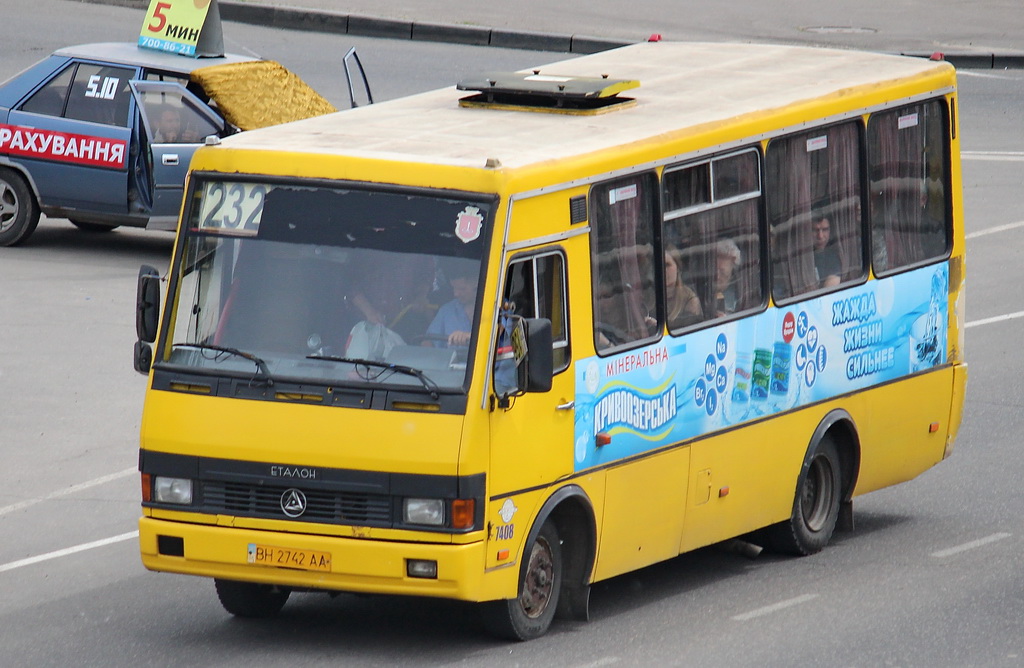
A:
(70, 490)
(993, 230)
(995, 156)
(604, 661)
(10, 566)
(775, 607)
(996, 318)
(981, 75)
(948, 552)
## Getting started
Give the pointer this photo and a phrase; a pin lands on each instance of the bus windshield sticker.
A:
(468, 224)
(907, 121)
(817, 143)
(232, 208)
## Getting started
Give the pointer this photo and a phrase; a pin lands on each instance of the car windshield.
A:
(325, 284)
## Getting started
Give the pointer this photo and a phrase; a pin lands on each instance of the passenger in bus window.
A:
(682, 305)
(827, 266)
(727, 259)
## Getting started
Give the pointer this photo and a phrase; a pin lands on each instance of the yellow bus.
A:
(503, 340)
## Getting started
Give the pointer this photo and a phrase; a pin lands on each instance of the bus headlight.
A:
(172, 490)
(424, 511)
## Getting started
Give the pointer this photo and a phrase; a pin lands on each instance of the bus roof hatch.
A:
(533, 91)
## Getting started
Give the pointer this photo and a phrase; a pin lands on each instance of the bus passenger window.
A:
(909, 172)
(623, 214)
(814, 208)
(712, 234)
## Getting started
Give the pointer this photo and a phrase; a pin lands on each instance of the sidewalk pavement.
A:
(971, 33)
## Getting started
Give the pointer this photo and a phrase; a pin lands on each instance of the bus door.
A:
(176, 124)
(532, 433)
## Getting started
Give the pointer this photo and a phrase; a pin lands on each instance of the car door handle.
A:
(567, 406)
(169, 158)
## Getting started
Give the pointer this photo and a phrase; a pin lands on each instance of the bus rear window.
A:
(909, 173)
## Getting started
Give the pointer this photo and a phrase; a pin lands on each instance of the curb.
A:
(294, 18)
(367, 26)
(977, 61)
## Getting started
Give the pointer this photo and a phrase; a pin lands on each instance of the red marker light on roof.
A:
(655, 37)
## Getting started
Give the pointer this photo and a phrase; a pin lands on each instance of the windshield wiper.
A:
(428, 384)
(261, 366)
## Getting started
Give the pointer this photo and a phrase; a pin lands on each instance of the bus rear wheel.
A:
(530, 614)
(816, 507)
(248, 599)
(19, 213)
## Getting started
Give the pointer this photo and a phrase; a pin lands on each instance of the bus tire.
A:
(19, 211)
(530, 614)
(816, 506)
(249, 599)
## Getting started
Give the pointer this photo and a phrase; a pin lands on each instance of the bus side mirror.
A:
(533, 372)
(539, 361)
(147, 303)
(147, 313)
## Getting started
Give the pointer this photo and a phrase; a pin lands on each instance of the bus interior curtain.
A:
(792, 257)
(897, 179)
(625, 218)
(844, 168)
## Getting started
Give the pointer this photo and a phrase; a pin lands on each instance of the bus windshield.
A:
(328, 284)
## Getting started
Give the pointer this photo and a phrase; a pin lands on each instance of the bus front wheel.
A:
(816, 507)
(248, 599)
(530, 615)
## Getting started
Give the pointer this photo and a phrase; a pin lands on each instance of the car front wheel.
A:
(19, 213)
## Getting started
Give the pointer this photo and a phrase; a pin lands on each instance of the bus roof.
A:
(682, 85)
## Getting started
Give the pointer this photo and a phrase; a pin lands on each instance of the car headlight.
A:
(424, 511)
(172, 490)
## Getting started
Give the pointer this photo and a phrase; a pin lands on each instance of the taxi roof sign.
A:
(186, 27)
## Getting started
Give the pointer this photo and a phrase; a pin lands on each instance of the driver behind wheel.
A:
(454, 320)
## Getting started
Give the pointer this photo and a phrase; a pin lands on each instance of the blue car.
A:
(102, 134)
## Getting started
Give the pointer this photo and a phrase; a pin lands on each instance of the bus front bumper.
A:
(351, 564)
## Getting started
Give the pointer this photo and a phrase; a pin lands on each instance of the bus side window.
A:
(713, 233)
(623, 213)
(909, 173)
(814, 209)
(536, 288)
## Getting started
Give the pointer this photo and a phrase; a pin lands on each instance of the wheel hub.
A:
(8, 207)
(540, 575)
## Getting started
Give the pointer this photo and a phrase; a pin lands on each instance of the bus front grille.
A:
(334, 507)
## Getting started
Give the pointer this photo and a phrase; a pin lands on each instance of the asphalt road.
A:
(930, 577)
